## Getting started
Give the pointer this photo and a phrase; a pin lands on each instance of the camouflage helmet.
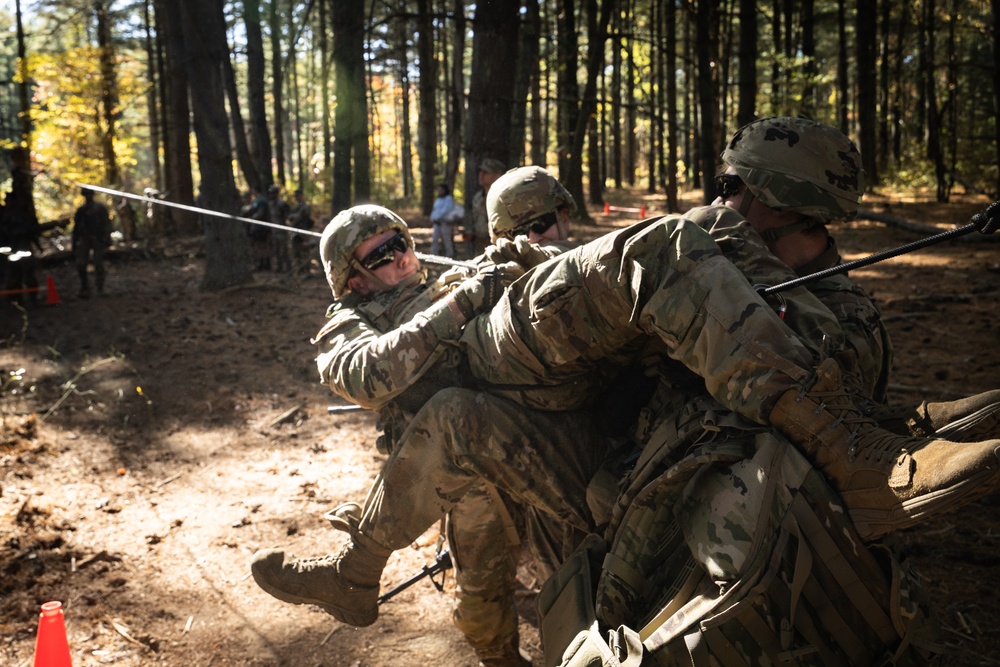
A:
(342, 236)
(521, 195)
(796, 164)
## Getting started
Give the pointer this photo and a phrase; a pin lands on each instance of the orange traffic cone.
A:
(52, 648)
(607, 208)
(51, 295)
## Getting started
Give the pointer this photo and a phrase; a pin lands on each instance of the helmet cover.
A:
(797, 164)
(521, 195)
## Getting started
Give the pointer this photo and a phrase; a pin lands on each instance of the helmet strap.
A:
(746, 202)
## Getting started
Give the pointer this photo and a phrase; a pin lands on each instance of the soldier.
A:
(301, 218)
(552, 343)
(278, 214)
(478, 232)
(91, 237)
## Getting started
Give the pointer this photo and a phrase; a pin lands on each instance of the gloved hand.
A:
(519, 250)
(481, 292)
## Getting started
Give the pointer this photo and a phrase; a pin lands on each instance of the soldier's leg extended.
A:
(457, 439)
(668, 279)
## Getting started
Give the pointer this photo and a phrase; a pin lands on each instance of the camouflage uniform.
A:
(385, 352)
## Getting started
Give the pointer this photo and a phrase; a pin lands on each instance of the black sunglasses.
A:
(385, 252)
(539, 225)
(727, 185)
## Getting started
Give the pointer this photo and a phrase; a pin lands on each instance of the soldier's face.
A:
(732, 200)
(402, 266)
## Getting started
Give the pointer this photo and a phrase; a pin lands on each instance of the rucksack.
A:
(733, 551)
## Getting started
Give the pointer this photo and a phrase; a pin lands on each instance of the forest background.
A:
(357, 101)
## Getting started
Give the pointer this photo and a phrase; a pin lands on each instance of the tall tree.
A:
(178, 179)
(227, 250)
(278, 111)
(350, 141)
(109, 93)
(707, 52)
(260, 136)
(496, 30)
(865, 23)
(747, 108)
(427, 119)
(995, 8)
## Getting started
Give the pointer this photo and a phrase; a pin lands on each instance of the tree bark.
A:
(866, 20)
(351, 116)
(707, 92)
(260, 136)
(227, 250)
(109, 94)
(747, 110)
(491, 86)
(178, 180)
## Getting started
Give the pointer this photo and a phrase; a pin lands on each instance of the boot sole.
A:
(980, 425)
(348, 616)
(872, 524)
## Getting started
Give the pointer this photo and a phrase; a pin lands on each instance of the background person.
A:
(91, 237)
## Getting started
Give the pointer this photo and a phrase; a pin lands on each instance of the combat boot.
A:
(887, 481)
(346, 586)
(965, 420)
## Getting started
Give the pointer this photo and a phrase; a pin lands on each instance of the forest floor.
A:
(154, 438)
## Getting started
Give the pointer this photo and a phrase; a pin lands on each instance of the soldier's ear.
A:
(357, 284)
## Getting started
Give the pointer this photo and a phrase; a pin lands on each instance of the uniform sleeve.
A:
(370, 368)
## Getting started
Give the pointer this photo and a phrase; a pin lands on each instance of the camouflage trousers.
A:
(562, 330)
(459, 445)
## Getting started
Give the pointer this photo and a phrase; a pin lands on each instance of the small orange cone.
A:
(642, 211)
(51, 295)
(52, 648)
(607, 208)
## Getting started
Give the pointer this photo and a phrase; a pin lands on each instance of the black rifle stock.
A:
(442, 562)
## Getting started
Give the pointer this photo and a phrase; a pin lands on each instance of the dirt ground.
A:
(152, 439)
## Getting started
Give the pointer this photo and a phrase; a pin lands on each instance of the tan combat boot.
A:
(508, 655)
(887, 482)
(346, 586)
(964, 420)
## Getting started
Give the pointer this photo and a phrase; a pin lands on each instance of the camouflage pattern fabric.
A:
(789, 164)
(566, 328)
(390, 352)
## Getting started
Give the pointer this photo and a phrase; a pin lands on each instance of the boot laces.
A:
(865, 439)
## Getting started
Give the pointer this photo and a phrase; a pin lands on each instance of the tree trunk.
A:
(178, 180)
(995, 6)
(351, 118)
(491, 87)
(809, 55)
(934, 152)
(260, 137)
(244, 157)
(456, 95)
(670, 44)
(843, 85)
(567, 88)
(427, 121)
(866, 20)
(227, 250)
(573, 177)
(747, 111)
(526, 73)
(277, 90)
(109, 95)
(324, 82)
(707, 92)
(23, 181)
(152, 98)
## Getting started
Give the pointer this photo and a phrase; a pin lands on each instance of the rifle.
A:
(442, 562)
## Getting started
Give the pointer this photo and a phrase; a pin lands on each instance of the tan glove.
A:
(519, 250)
